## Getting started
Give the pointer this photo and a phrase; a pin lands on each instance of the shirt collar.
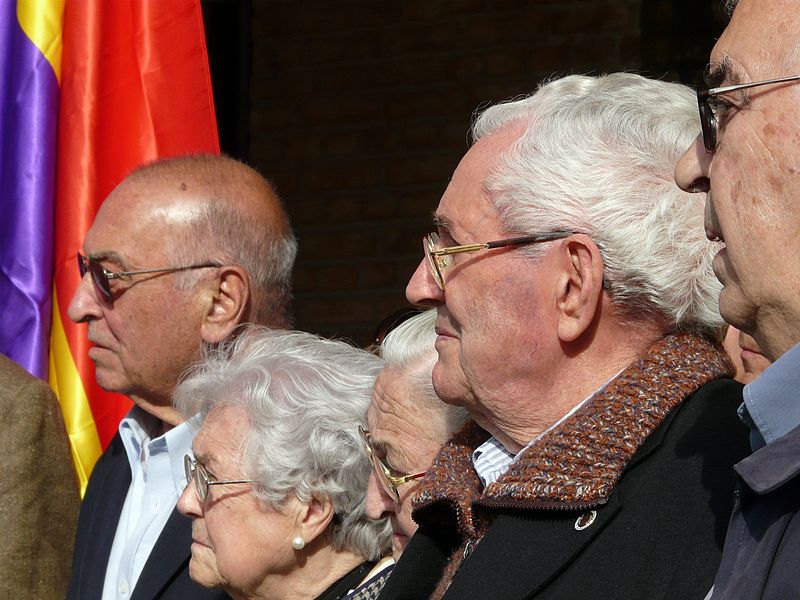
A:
(771, 405)
(135, 430)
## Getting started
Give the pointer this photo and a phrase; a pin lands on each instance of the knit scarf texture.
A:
(576, 464)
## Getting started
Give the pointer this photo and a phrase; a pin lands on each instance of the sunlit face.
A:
(238, 543)
(150, 332)
(495, 320)
(754, 174)
(408, 437)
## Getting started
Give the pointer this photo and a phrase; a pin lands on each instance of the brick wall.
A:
(360, 110)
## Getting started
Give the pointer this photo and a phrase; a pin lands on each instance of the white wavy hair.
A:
(304, 397)
(409, 348)
(597, 156)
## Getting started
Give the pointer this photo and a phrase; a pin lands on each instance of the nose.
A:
(84, 305)
(422, 289)
(691, 172)
(379, 504)
(189, 504)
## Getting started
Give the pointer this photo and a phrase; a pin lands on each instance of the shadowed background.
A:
(359, 111)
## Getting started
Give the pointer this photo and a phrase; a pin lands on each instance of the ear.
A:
(581, 287)
(229, 306)
(314, 517)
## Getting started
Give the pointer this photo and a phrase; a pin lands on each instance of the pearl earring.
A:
(298, 543)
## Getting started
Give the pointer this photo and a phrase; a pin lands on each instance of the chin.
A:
(204, 574)
(735, 310)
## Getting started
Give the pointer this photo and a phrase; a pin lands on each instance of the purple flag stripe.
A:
(28, 118)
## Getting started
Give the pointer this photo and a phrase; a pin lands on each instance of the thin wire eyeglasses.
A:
(101, 276)
(709, 105)
(197, 472)
(389, 482)
(438, 259)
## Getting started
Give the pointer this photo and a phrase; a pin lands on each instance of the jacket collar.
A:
(576, 464)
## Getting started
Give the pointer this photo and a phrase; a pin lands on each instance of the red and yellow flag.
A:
(135, 86)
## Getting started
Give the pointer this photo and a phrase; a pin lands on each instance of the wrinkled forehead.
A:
(762, 41)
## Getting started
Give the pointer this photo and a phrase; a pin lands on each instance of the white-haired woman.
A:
(278, 479)
(408, 424)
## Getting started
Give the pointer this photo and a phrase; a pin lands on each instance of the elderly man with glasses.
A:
(747, 160)
(577, 322)
(179, 255)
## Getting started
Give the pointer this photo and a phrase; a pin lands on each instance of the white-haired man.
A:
(576, 319)
(747, 160)
(180, 254)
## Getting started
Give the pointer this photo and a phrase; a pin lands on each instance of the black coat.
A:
(658, 535)
(166, 573)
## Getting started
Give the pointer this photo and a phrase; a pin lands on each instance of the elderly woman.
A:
(408, 424)
(278, 479)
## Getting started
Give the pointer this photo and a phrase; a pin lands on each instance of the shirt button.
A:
(123, 588)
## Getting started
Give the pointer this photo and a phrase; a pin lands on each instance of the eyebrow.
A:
(442, 221)
(717, 73)
(109, 255)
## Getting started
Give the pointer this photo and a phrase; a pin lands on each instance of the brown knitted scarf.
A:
(576, 464)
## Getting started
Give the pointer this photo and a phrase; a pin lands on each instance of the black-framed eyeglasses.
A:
(439, 260)
(101, 277)
(709, 106)
(387, 476)
(197, 472)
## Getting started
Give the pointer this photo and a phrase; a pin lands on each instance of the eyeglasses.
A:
(101, 277)
(439, 258)
(382, 469)
(709, 106)
(196, 471)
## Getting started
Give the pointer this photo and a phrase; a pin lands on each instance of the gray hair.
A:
(304, 397)
(730, 6)
(596, 156)
(410, 350)
(239, 221)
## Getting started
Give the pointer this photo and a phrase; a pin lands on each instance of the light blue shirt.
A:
(157, 481)
(771, 405)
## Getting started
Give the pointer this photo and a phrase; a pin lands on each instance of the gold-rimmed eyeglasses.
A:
(439, 260)
(197, 472)
(709, 106)
(101, 277)
(389, 478)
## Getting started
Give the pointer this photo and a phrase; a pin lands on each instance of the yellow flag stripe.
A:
(43, 21)
(67, 384)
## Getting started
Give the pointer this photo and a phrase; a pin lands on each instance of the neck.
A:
(318, 567)
(167, 415)
(581, 370)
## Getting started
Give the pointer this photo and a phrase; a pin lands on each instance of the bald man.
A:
(180, 253)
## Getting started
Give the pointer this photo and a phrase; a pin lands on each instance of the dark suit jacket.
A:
(659, 536)
(39, 497)
(166, 573)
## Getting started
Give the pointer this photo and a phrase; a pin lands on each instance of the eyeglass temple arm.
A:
(116, 275)
(739, 86)
(231, 482)
(529, 239)
(460, 249)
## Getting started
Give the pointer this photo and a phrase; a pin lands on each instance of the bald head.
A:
(219, 209)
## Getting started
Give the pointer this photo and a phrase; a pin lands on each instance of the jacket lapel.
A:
(97, 524)
(169, 557)
(522, 562)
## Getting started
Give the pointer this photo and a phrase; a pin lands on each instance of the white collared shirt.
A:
(157, 480)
